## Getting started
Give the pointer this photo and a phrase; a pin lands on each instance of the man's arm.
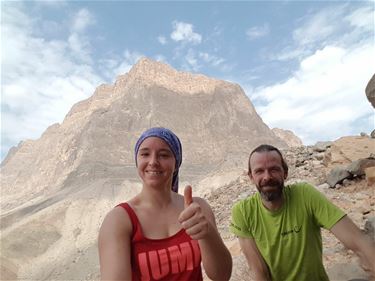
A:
(352, 238)
(254, 259)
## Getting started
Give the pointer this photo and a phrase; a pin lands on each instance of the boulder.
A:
(369, 227)
(370, 91)
(370, 175)
(358, 167)
(337, 175)
(322, 146)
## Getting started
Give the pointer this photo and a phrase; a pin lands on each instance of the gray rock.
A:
(322, 187)
(337, 175)
(346, 182)
(363, 134)
(358, 167)
(372, 135)
(322, 146)
(319, 156)
(369, 227)
(337, 186)
(370, 91)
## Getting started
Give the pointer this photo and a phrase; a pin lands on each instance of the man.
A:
(279, 227)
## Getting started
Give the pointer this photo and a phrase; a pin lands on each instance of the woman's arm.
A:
(114, 246)
(254, 259)
(199, 222)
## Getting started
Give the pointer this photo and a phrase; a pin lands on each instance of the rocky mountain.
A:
(288, 136)
(57, 189)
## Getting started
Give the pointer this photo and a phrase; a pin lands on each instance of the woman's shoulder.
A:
(117, 222)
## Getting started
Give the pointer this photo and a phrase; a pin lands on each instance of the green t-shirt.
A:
(289, 239)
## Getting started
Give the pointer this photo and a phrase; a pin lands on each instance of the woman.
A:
(159, 234)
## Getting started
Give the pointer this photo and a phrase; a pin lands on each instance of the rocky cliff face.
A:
(59, 187)
(214, 119)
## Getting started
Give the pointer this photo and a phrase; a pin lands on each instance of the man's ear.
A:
(250, 176)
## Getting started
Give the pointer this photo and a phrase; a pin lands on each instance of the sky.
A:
(303, 64)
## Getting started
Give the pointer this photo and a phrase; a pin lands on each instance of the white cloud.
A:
(318, 26)
(184, 32)
(162, 40)
(341, 25)
(82, 19)
(211, 59)
(216, 62)
(41, 78)
(257, 31)
(80, 47)
(324, 98)
(192, 60)
(161, 58)
(362, 17)
(78, 40)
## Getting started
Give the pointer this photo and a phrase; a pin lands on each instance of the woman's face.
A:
(156, 162)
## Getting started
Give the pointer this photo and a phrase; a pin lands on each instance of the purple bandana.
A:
(174, 143)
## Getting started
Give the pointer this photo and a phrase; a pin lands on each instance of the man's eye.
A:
(143, 154)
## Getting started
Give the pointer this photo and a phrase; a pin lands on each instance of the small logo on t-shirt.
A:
(235, 226)
(296, 229)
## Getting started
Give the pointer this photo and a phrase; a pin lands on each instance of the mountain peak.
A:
(156, 73)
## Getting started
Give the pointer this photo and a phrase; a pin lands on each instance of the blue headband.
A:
(174, 143)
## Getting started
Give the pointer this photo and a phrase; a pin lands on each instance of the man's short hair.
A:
(268, 148)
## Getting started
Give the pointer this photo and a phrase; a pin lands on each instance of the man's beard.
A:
(271, 195)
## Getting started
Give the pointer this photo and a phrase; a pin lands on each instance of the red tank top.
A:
(173, 258)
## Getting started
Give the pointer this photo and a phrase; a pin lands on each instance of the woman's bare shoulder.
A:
(116, 222)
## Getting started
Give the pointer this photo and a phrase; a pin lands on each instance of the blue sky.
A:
(303, 64)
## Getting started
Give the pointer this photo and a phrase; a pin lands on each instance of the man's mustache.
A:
(273, 183)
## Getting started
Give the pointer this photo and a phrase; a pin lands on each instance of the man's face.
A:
(267, 174)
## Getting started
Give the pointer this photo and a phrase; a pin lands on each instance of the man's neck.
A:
(275, 204)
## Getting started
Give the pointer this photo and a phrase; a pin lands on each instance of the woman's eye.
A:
(164, 155)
